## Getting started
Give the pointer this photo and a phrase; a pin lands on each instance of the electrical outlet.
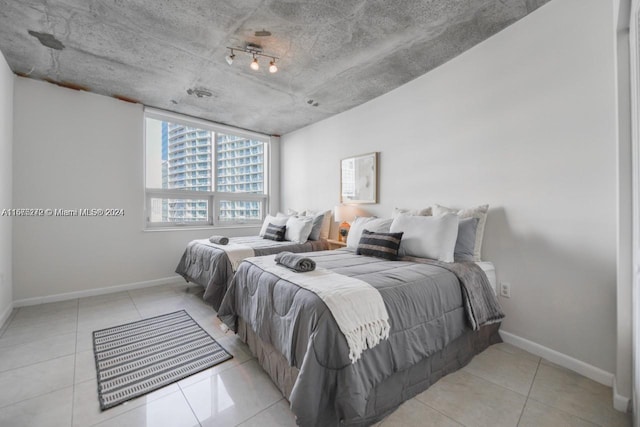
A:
(505, 290)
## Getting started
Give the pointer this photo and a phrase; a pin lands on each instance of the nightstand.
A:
(336, 244)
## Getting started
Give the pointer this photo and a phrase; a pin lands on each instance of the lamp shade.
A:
(346, 213)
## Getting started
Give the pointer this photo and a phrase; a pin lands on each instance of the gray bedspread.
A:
(426, 310)
(210, 267)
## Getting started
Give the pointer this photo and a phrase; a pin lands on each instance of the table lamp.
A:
(344, 214)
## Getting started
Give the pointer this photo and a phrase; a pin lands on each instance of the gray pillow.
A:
(275, 232)
(316, 227)
(466, 241)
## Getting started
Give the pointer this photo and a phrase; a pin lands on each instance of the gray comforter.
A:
(426, 305)
(210, 267)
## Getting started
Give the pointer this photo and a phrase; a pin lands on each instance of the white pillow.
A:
(298, 229)
(275, 220)
(377, 225)
(292, 212)
(479, 212)
(421, 212)
(431, 237)
(326, 222)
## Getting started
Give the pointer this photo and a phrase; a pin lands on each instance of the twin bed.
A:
(440, 315)
(212, 266)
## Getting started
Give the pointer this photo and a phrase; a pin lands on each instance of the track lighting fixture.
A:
(255, 51)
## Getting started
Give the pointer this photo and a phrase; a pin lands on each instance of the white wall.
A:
(6, 223)
(79, 150)
(526, 122)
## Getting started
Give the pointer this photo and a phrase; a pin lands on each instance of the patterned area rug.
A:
(139, 357)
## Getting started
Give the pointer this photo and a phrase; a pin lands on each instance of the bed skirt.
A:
(400, 387)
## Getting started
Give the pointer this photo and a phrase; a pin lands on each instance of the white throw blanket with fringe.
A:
(356, 306)
(235, 251)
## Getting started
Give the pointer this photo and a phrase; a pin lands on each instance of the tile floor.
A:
(47, 378)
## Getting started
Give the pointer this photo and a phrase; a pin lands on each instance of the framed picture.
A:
(359, 179)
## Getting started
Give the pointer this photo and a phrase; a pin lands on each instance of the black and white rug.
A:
(136, 358)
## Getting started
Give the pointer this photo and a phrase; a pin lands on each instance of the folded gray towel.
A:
(219, 240)
(295, 262)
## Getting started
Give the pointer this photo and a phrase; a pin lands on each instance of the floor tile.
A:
(110, 309)
(165, 293)
(508, 370)
(168, 411)
(232, 396)
(211, 324)
(51, 409)
(85, 366)
(471, 400)
(278, 415)
(84, 340)
(38, 314)
(157, 307)
(40, 350)
(50, 307)
(207, 373)
(35, 380)
(508, 348)
(234, 345)
(7, 321)
(43, 320)
(24, 333)
(539, 415)
(415, 413)
(100, 300)
(96, 322)
(86, 407)
(196, 311)
(576, 395)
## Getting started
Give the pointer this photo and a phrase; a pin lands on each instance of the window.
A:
(199, 173)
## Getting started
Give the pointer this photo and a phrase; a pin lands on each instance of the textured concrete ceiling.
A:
(335, 53)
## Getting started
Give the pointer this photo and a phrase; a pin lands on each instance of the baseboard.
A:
(599, 375)
(93, 292)
(5, 315)
(620, 402)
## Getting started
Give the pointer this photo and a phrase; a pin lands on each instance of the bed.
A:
(210, 265)
(212, 262)
(436, 327)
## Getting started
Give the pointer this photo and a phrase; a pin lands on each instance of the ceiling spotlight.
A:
(254, 64)
(273, 68)
(230, 57)
(255, 51)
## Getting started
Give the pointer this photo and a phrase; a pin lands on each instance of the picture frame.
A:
(359, 179)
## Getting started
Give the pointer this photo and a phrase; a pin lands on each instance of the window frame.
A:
(213, 198)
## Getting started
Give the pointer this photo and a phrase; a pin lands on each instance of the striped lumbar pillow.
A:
(380, 245)
(275, 232)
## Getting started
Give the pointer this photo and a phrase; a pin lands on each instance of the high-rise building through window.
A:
(239, 169)
(187, 167)
(192, 159)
